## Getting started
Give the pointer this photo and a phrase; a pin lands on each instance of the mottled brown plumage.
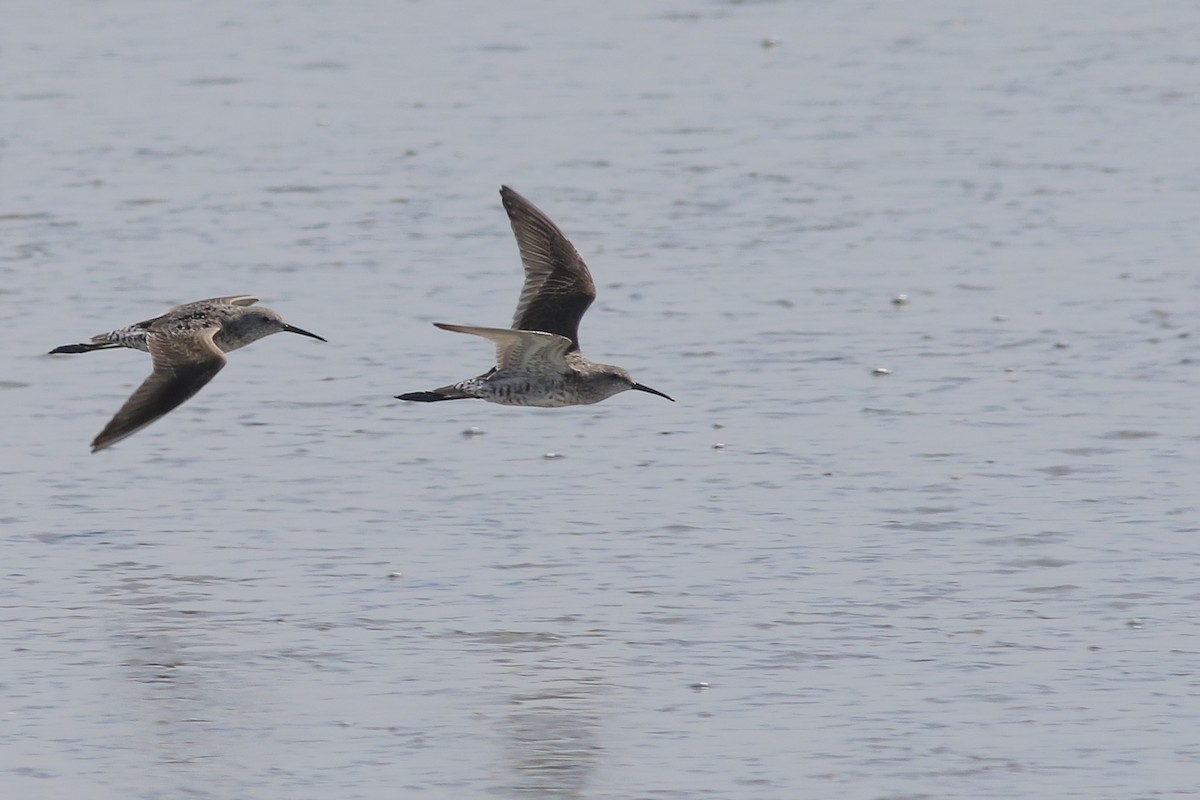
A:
(187, 345)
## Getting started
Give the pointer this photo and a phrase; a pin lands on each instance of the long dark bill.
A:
(302, 332)
(642, 388)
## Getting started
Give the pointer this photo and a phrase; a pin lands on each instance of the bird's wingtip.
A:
(510, 197)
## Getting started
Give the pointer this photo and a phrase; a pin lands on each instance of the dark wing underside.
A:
(558, 287)
(182, 366)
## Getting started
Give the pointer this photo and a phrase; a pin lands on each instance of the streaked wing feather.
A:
(527, 351)
(558, 286)
(232, 300)
(182, 366)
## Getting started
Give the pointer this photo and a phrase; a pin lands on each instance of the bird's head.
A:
(613, 380)
(258, 321)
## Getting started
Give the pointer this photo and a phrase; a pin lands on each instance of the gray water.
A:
(973, 577)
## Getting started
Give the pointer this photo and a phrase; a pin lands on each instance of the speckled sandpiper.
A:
(538, 362)
(188, 344)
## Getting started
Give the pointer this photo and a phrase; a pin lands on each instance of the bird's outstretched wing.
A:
(232, 300)
(558, 287)
(182, 366)
(528, 351)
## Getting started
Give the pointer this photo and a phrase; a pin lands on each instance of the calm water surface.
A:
(973, 577)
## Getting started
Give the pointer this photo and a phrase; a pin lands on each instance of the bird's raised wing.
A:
(558, 287)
